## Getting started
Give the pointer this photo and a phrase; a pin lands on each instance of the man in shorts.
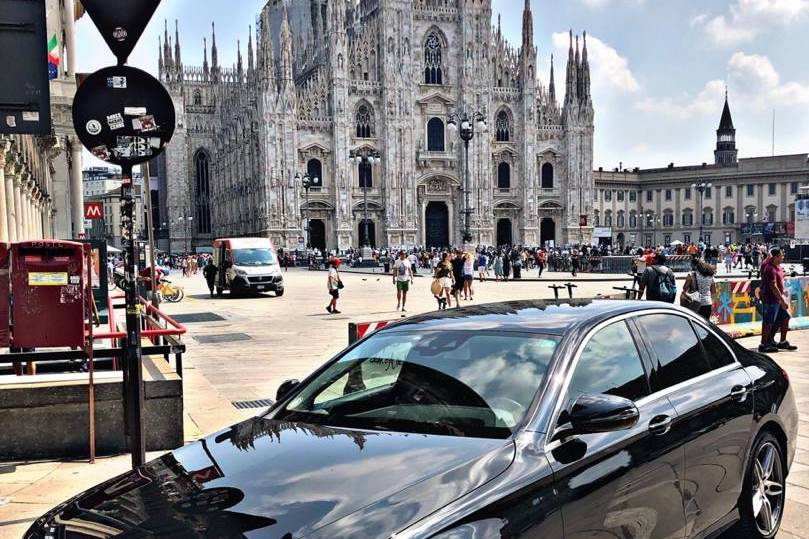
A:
(402, 278)
(774, 305)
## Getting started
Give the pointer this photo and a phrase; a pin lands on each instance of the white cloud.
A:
(749, 18)
(608, 68)
(597, 4)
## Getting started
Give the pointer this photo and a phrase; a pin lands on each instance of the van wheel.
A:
(764, 490)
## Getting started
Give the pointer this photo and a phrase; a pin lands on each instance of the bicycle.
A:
(170, 292)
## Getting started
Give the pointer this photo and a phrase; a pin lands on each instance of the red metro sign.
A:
(93, 210)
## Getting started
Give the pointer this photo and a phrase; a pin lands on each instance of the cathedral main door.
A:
(547, 231)
(504, 235)
(317, 234)
(436, 222)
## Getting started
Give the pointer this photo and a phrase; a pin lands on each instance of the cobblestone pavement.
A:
(265, 340)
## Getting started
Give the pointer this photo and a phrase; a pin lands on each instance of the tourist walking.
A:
(506, 267)
(443, 273)
(498, 267)
(658, 281)
(701, 280)
(334, 285)
(209, 272)
(541, 261)
(402, 279)
(468, 276)
(774, 304)
(483, 266)
(457, 275)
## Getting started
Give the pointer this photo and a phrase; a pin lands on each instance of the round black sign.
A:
(123, 115)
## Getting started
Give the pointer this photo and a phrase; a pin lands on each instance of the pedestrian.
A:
(483, 266)
(209, 272)
(334, 285)
(498, 267)
(402, 279)
(701, 280)
(414, 262)
(658, 281)
(774, 304)
(457, 275)
(506, 267)
(541, 261)
(728, 261)
(468, 276)
(443, 273)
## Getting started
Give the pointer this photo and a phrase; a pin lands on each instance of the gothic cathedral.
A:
(379, 78)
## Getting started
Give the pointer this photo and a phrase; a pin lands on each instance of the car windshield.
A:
(254, 257)
(456, 383)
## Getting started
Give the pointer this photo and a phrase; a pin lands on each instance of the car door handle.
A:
(739, 393)
(660, 425)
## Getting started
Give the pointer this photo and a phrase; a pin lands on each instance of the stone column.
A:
(25, 214)
(11, 211)
(76, 188)
(3, 208)
(18, 202)
(70, 37)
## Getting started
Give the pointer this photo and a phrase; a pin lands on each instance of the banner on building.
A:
(802, 220)
(602, 232)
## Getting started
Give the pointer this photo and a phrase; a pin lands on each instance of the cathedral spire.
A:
(319, 30)
(571, 82)
(214, 54)
(585, 68)
(177, 59)
(239, 59)
(250, 65)
(205, 70)
(267, 54)
(286, 50)
(552, 86)
(168, 63)
(527, 28)
(160, 57)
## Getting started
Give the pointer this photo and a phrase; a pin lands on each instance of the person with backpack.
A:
(658, 281)
(701, 281)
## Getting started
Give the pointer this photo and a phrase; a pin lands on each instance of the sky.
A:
(659, 67)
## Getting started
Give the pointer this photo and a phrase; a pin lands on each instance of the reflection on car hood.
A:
(274, 479)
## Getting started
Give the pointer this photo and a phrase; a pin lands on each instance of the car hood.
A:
(275, 479)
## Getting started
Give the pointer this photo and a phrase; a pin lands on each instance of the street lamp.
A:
(369, 158)
(187, 219)
(466, 124)
(701, 187)
(306, 182)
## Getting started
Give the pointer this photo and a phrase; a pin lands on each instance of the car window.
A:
(458, 383)
(610, 363)
(716, 352)
(677, 355)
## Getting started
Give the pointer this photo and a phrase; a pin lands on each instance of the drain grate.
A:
(222, 338)
(191, 318)
(258, 403)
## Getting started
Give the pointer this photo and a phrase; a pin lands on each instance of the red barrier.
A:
(357, 331)
(4, 279)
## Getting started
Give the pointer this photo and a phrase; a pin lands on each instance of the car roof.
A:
(534, 316)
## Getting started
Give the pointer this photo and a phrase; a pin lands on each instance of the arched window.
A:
(688, 218)
(504, 176)
(771, 213)
(315, 170)
(547, 176)
(433, 73)
(668, 219)
(620, 220)
(503, 127)
(364, 122)
(728, 216)
(608, 218)
(203, 192)
(633, 220)
(197, 97)
(366, 174)
(435, 135)
(707, 217)
(596, 219)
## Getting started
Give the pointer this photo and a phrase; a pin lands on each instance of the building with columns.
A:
(41, 192)
(325, 78)
(729, 200)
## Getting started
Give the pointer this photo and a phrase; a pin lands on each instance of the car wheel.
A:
(279, 292)
(764, 490)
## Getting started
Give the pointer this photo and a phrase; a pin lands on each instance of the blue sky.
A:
(659, 66)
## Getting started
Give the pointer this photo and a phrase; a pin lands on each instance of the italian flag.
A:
(53, 54)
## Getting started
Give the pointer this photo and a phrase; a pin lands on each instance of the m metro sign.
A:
(93, 210)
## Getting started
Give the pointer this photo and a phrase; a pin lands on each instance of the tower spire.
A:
(250, 65)
(286, 50)
(239, 59)
(527, 28)
(267, 54)
(552, 86)
(167, 58)
(585, 68)
(214, 53)
(726, 153)
(205, 70)
(177, 59)
(160, 57)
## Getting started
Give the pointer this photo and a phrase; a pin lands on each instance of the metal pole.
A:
(466, 191)
(150, 233)
(133, 389)
(308, 228)
(701, 216)
(365, 242)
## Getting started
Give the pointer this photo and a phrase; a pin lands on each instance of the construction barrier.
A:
(357, 331)
(736, 311)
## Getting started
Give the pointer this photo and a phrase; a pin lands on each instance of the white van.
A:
(247, 265)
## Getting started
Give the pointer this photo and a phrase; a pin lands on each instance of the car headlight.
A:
(241, 273)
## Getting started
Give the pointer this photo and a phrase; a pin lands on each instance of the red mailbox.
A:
(4, 268)
(48, 294)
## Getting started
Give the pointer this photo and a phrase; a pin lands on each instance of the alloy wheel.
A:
(768, 489)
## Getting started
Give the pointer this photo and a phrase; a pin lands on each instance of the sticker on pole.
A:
(47, 278)
(124, 125)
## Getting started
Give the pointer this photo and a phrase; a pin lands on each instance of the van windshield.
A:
(254, 257)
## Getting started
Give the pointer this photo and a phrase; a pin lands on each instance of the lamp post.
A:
(750, 218)
(466, 124)
(187, 219)
(369, 158)
(701, 187)
(306, 182)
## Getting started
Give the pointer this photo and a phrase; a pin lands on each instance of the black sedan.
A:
(607, 419)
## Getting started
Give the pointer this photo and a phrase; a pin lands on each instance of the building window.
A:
(633, 196)
(366, 175)
(751, 190)
(547, 176)
(633, 220)
(197, 98)
(620, 220)
(203, 191)
(728, 216)
(687, 218)
(608, 196)
(667, 239)
(364, 123)
(650, 220)
(687, 193)
(503, 127)
(793, 188)
(504, 176)
(668, 195)
(608, 218)
(708, 192)
(707, 218)
(435, 135)
(771, 189)
(668, 219)
(707, 238)
(771, 214)
(596, 219)
(649, 196)
(729, 191)
(433, 73)
(620, 195)
(315, 170)
(687, 238)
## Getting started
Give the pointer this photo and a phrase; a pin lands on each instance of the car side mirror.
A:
(602, 413)
(286, 388)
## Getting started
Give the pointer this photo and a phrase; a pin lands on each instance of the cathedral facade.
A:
(328, 78)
